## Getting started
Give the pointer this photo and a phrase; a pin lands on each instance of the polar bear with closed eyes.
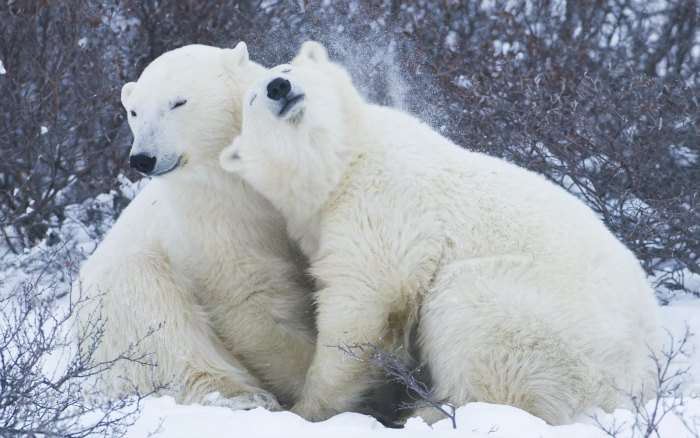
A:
(519, 293)
(199, 254)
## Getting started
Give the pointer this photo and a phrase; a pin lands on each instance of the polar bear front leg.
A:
(347, 316)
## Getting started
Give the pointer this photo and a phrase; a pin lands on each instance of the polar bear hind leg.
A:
(187, 354)
(485, 337)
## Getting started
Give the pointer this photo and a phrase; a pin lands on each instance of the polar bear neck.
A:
(309, 189)
(312, 201)
(199, 171)
(203, 179)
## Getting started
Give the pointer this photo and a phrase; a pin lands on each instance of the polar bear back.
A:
(418, 176)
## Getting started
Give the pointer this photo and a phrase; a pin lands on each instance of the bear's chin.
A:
(295, 117)
(179, 163)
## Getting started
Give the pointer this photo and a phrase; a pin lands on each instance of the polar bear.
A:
(198, 255)
(520, 294)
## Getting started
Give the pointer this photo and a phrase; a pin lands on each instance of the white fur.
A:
(198, 253)
(521, 294)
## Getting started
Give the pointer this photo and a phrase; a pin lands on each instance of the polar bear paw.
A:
(312, 411)
(247, 401)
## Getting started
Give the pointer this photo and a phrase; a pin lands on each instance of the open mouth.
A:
(289, 104)
(173, 167)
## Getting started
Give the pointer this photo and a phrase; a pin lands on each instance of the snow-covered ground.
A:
(474, 420)
(162, 417)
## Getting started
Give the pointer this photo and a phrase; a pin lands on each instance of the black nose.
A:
(142, 162)
(278, 88)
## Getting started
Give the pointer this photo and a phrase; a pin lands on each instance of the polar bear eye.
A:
(179, 103)
(133, 113)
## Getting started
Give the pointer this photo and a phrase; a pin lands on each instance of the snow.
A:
(451, 40)
(170, 420)
(2, 68)
(163, 417)
(117, 21)
(684, 156)
(463, 82)
(44, 130)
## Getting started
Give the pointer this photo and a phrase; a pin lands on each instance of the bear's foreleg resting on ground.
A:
(335, 382)
(271, 327)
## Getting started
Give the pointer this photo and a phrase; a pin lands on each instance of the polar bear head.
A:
(297, 138)
(185, 107)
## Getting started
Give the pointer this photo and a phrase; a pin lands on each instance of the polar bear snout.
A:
(284, 98)
(142, 162)
(278, 88)
(152, 166)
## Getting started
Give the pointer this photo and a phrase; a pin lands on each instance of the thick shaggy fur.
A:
(199, 254)
(521, 294)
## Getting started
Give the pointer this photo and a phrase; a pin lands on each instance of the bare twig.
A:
(396, 369)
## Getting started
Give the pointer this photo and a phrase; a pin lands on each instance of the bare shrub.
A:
(397, 369)
(49, 380)
(59, 118)
(668, 400)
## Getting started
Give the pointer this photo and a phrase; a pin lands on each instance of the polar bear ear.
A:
(230, 159)
(236, 57)
(312, 51)
(126, 91)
